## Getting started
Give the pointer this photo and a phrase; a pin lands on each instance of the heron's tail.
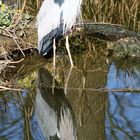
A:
(46, 44)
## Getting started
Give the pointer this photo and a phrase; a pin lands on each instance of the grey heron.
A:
(55, 19)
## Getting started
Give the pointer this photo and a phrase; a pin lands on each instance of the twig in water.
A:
(100, 89)
(3, 88)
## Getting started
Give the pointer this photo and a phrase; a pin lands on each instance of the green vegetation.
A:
(5, 18)
(9, 17)
(5, 15)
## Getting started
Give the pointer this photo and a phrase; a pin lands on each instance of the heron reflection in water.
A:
(53, 110)
(55, 19)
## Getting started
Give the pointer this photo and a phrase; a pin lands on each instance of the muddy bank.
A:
(118, 41)
(18, 40)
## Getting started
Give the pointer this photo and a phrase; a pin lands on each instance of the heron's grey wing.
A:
(59, 2)
(46, 43)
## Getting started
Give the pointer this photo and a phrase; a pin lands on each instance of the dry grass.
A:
(124, 12)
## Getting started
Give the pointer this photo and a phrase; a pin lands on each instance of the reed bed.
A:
(124, 12)
(31, 5)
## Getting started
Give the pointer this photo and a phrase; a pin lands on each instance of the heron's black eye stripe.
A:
(59, 2)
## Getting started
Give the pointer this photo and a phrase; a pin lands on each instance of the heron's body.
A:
(55, 18)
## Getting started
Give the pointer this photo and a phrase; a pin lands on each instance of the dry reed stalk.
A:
(3, 88)
(21, 13)
(4, 63)
(120, 12)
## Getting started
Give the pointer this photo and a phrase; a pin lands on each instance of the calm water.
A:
(91, 101)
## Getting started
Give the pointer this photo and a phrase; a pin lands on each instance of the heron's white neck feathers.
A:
(48, 18)
(71, 11)
(52, 15)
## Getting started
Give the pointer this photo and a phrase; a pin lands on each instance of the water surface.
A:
(92, 101)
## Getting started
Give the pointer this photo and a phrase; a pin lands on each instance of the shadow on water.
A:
(92, 101)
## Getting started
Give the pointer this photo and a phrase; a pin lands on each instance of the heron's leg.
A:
(53, 81)
(54, 52)
(68, 50)
(54, 58)
(67, 80)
